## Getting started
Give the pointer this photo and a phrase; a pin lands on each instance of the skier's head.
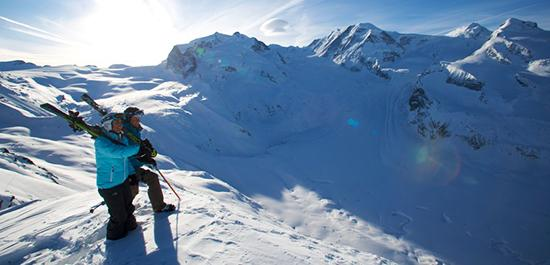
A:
(133, 116)
(112, 122)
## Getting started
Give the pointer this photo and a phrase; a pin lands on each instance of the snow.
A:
(16, 65)
(213, 224)
(296, 155)
(473, 30)
(540, 67)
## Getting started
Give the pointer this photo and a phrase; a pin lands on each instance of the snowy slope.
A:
(214, 224)
(165, 101)
(420, 158)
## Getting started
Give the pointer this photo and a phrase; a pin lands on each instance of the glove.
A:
(144, 150)
(148, 144)
(76, 119)
(147, 160)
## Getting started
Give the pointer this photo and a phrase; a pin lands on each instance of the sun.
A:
(124, 31)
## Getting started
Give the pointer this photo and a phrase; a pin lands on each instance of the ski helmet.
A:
(107, 120)
(132, 111)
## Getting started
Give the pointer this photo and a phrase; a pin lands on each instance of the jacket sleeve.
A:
(109, 149)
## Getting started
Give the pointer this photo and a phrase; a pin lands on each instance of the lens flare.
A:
(422, 155)
(353, 123)
(199, 51)
(437, 162)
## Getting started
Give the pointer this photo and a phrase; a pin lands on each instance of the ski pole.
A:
(92, 209)
(158, 170)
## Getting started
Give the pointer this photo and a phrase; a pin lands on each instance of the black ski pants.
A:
(121, 210)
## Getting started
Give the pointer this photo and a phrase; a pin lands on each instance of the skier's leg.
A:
(130, 218)
(134, 185)
(154, 191)
(114, 199)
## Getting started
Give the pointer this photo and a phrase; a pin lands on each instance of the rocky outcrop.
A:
(183, 63)
(459, 77)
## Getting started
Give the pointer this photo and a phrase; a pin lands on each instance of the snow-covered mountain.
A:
(16, 65)
(472, 31)
(364, 46)
(365, 147)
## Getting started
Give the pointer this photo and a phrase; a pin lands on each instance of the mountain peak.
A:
(472, 31)
(367, 26)
(514, 23)
(514, 27)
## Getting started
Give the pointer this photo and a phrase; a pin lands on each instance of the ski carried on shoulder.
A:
(75, 122)
(86, 98)
(102, 112)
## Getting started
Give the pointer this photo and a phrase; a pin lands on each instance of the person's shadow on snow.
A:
(165, 252)
(131, 249)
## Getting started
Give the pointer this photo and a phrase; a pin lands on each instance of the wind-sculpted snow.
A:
(540, 67)
(460, 77)
(213, 224)
(366, 145)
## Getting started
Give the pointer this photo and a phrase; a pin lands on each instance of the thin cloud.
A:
(39, 35)
(274, 13)
(501, 15)
(35, 32)
(274, 27)
(37, 58)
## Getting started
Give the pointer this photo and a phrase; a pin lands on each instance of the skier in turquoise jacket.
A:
(112, 152)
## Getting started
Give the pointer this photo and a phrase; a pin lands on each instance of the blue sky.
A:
(142, 32)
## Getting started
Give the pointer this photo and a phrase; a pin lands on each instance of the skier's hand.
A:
(77, 119)
(147, 143)
(154, 152)
(147, 160)
(144, 150)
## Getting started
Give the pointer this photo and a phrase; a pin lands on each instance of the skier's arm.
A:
(109, 149)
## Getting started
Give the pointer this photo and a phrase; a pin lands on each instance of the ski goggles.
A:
(138, 113)
(107, 121)
(112, 116)
(118, 116)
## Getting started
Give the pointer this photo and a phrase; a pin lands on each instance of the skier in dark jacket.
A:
(112, 152)
(132, 128)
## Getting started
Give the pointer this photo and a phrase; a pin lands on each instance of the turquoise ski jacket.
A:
(111, 159)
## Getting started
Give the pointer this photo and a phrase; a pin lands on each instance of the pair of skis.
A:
(75, 122)
(102, 111)
(78, 124)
